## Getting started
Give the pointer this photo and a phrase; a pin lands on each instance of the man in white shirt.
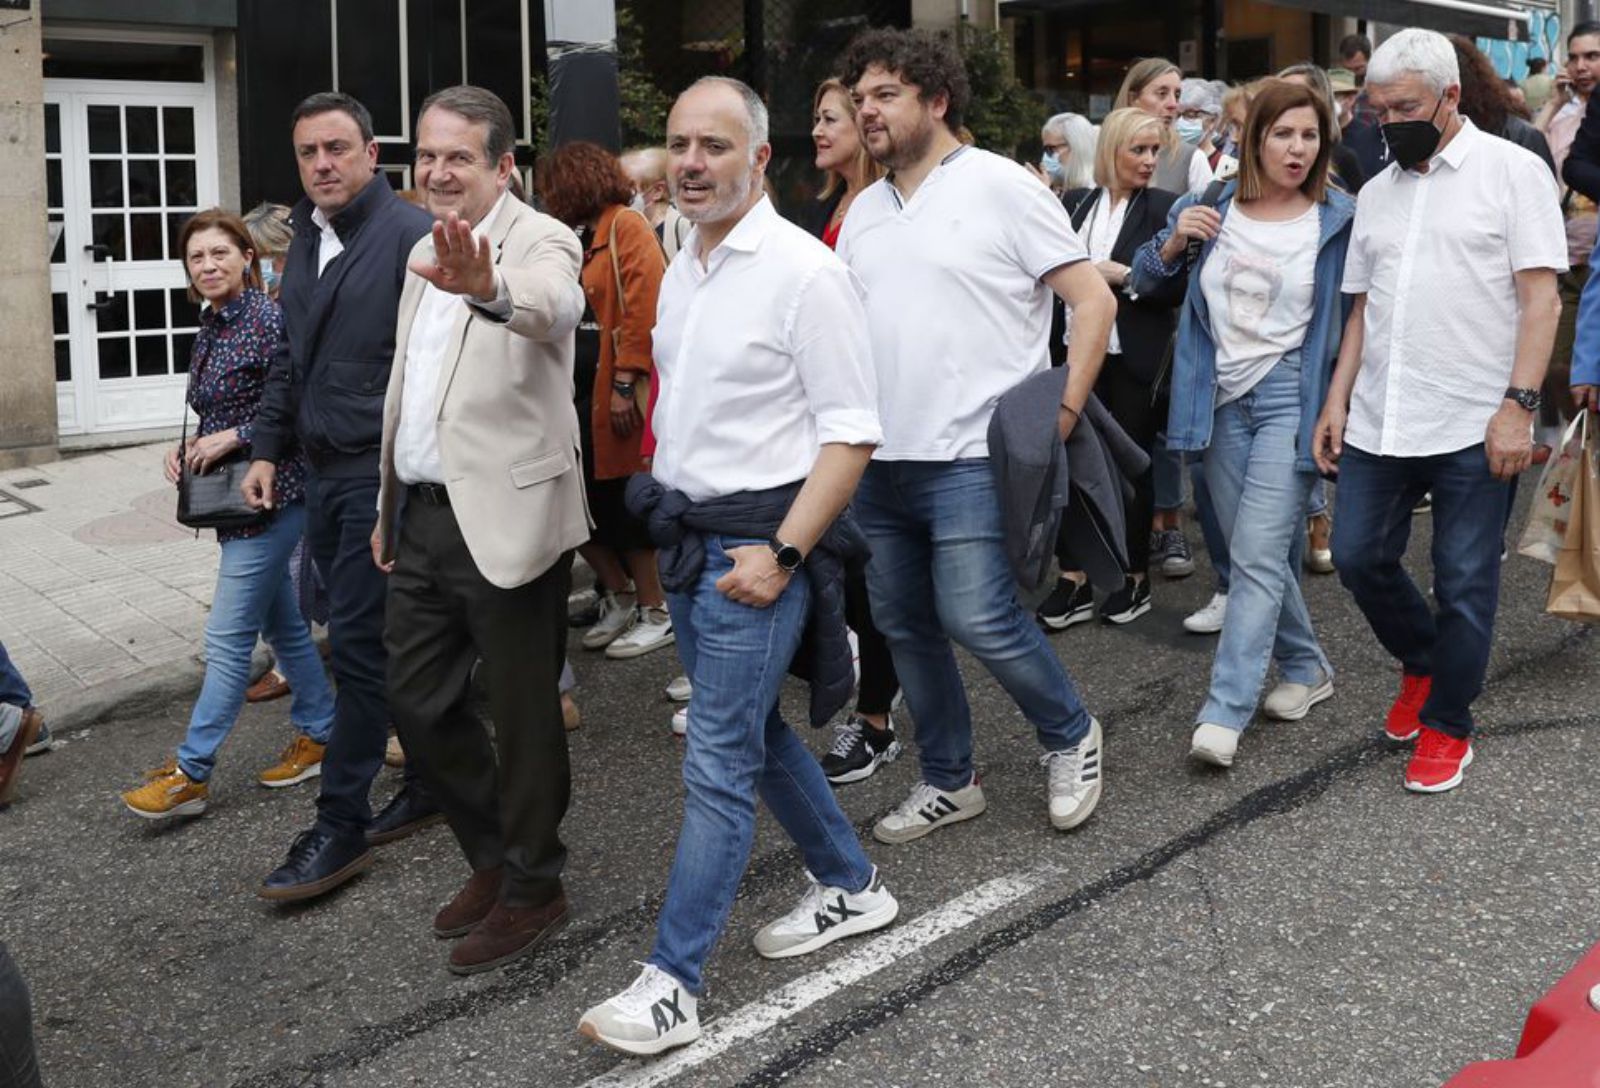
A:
(767, 399)
(959, 251)
(1453, 262)
(480, 511)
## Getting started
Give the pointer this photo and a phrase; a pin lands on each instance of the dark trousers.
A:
(13, 688)
(879, 683)
(340, 517)
(1371, 525)
(443, 617)
(1129, 402)
(19, 1062)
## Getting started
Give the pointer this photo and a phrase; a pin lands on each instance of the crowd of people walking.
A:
(836, 447)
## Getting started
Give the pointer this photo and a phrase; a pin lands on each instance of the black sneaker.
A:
(1068, 603)
(858, 750)
(1128, 603)
(1172, 556)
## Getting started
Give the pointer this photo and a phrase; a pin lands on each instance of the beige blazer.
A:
(508, 433)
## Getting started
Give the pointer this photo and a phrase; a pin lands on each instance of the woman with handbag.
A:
(1120, 214)
(240, 328)
(1257, 340)
(583, 185)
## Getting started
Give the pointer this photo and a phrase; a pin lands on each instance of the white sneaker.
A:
(1214, 744)
(1074, 779)
(823, 915)
(654, 1014)
(680, 689)
(927, 809)
(1208, 620)
(651, 630)
(617, 614)
(1289, 702)
(680, 722)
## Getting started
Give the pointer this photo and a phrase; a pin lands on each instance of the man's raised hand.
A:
(463, 263)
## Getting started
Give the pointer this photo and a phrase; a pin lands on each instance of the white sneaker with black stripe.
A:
(825, 914)
(654, 1014)
(1075, 776)
(928, 809)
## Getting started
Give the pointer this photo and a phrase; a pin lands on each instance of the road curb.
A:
(149, 691)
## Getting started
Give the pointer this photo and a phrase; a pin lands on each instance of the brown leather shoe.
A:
(11, 758)
(471, 904)
(508, 932)
(271, 686)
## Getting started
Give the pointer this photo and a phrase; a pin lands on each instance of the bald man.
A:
(646, 167)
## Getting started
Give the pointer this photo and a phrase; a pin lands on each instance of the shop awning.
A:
(1474, 18)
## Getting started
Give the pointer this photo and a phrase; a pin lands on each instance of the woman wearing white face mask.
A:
(1199, 107)
(1068, 159)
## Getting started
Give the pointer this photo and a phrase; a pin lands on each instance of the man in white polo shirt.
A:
(1453, 263)
(959, 251)
(767, 416)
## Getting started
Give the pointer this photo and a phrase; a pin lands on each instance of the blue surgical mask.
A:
(1189, 130)
(270, 275)
(1050, 163)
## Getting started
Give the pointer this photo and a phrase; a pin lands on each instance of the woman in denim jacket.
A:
(1257, 339)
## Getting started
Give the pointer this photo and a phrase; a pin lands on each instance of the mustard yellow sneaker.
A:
(167, 792)
(300, 761)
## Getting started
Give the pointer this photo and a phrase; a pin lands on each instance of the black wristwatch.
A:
(787, 555)
(1528, 399)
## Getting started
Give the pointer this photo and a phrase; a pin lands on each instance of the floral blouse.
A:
(227, 374)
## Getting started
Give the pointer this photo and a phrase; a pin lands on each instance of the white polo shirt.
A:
(762, 357)
(1436, 255)
(957, 312)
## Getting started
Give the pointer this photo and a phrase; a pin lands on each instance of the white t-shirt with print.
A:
(1258, 285)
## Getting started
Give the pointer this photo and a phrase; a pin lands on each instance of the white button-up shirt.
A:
(957, 312)
(416, 443)
(330, 245)
(763, 357)
(1436, 255)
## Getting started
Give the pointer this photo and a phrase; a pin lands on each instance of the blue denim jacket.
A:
(1194, 358)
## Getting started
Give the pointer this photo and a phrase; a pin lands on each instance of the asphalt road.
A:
(1297, 921)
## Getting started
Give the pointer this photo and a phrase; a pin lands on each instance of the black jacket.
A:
(328, 378)
(1581, 170)
(813, 216)
(1145, 324)
(1525, 135)
(678, 525)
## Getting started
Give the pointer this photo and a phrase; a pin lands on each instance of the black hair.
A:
(335, 101)
(1352, 44)
(924, 60)
(1536, 65)
(1584, 30)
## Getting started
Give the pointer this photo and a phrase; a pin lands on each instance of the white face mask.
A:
(637, 203)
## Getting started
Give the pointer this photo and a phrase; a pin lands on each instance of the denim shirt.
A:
(1194, 357)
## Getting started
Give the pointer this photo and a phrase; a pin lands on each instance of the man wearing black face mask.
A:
(1452, 264)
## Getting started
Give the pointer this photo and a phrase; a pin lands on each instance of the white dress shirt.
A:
(330, 245)
(1099, 236)
(1436, 255)
(762, 355)
(416, 441)
(954, 299)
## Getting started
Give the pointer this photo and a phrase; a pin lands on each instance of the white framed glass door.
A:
(127, 164)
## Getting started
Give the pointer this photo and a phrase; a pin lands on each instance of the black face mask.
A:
(1411, 143)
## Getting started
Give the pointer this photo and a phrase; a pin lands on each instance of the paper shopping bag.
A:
(1552, 502)
(1575, 586)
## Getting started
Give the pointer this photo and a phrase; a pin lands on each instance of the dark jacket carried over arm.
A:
(329, 375)
(1581, 170)
(678, 524)
(1088, 481)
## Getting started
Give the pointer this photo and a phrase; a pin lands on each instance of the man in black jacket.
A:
(340, 297)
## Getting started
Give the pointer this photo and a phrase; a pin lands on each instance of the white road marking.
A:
(895, 944)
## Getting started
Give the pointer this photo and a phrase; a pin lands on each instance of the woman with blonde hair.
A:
(841, 156)
(1153, 85)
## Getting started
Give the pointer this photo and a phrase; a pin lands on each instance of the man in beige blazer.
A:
(480, 509)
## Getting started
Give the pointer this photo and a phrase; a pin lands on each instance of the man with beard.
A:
(959, 251)
(765, 422)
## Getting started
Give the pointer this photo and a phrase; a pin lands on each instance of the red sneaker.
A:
(1405, 721)
(1438, 763)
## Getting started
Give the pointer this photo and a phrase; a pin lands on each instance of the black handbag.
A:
(215, 499)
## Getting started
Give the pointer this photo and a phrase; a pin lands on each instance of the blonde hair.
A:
(1117, 131)
(866, 167)
(1142, 74)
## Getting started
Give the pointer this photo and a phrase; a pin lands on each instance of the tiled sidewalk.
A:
(98, 583)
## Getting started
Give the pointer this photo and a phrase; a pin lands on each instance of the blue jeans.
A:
(1210, 526)
(13, 688)
(1371, 526)
(254, 595)
(1260, 501)
(737, 746)
(939, 572)
(1166, 470)
(19, 1061)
